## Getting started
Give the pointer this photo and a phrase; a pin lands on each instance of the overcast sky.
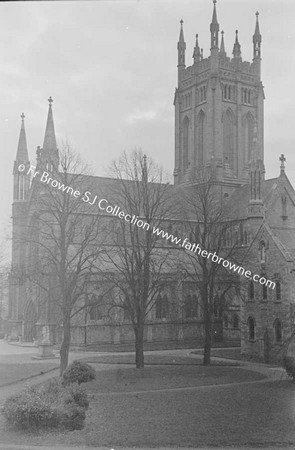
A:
(110, 67)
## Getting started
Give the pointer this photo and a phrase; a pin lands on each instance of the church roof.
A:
(239, 200)
(286, 236)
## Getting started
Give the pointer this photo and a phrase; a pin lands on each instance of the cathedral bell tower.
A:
(216, 101)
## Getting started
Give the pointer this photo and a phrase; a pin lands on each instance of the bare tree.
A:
(63, 241)
(209, 226)
(140, 264)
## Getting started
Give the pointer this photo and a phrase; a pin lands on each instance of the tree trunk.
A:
(65, 346)
(208, 339)
(139, 355)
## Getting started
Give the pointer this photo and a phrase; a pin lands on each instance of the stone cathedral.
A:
(219, 117)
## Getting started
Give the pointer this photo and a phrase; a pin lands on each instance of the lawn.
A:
(137, 408)
(157, 359)
(10, 373)
(228, 353)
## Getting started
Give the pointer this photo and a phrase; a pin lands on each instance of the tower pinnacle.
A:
(197, 52)
(181, 46)
(283, 160)
(222, 49)
(237, 47)
(257, 40)
(214, 28)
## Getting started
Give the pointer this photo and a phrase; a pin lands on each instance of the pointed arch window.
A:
(225, 321)
(284, 207)
(161, 307)
(185, 142)
(225, 91)
(248, 127)
(195, 306)
(191, 306)
(95, 312)
(278, 330)
(21, 187)
(236, 321)
(251, 329)
(229, 139)
(278, 291)
(197, 232)
(187, 306)
(126, 309)
(262, 247)
(200, 137)
(251, 290)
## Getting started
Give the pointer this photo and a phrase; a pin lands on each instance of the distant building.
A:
(218, 128)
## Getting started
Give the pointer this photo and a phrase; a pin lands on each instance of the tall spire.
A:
(257, 40)
(181, 46)
(237, 47)
(49, 138)
(214, 28)
(222, 49)
(21, 179)
(197, 52)
(22, 149)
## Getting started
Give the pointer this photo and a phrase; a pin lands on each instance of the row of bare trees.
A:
(74, 245)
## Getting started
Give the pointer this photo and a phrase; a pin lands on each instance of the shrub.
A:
(78, 372)
(47, 406)
(289, 366)
(71, 417)
(76, 394)
(30, 410)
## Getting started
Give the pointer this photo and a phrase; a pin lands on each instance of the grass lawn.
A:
(230, 353)
(167, 377)
(9, 373)
(130, 407)
(156, 359)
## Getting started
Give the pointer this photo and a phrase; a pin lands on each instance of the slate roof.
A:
(239, 200)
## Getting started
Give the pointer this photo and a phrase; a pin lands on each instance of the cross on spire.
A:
(50, 100)
(282, 159)
(22, 116)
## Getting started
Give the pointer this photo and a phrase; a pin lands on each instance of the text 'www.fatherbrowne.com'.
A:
(196, 248)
